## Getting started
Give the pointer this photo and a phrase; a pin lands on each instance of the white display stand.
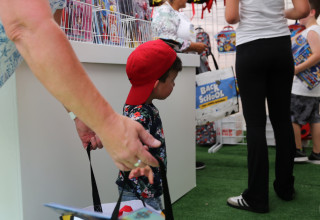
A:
(42, 159)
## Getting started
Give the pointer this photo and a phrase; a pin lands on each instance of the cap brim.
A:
(139, 94)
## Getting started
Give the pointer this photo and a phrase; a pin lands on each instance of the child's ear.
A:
(156, 84)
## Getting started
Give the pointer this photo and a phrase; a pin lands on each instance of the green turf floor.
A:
(225, 175)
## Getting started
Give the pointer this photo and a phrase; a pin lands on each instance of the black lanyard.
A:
(96, 199)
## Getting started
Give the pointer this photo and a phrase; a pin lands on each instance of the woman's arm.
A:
(314, 42)
(45, 48)
(197, 47)
(232, 11)
(301, 9)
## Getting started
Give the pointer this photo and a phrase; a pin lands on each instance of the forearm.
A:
(310, 62)
(50, 56)
(59, 70)
(232, 11)
(300, 10)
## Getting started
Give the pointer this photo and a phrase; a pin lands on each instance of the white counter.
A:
(41, 157)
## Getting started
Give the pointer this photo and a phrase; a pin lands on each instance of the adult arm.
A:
(197, 47)
(301, 9)
(314, 42)
(45, 48)
(232, 11)
(86, 134)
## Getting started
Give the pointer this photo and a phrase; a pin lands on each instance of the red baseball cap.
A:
(145, 65)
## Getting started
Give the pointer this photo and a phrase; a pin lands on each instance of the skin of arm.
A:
(196, 46)
(232, 11)
(314, 42)
(301, 9)
(45, 48)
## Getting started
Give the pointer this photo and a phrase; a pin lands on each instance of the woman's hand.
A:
(197, 47)
(87, 135)
(200, 47)
(126, 142)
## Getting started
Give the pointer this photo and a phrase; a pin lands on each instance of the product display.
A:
(301, 51)
(216, 95)
(296, 29)
(77, 20)
(226, 40)
(122, 23)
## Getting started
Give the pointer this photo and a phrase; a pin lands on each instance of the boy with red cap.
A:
(151, 68)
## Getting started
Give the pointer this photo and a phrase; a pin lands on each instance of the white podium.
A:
(42, 159)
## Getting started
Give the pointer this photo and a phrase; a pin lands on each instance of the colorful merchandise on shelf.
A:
(77, 20)
(301, 51)
(141, 9)
(226, 40)
(111, 22)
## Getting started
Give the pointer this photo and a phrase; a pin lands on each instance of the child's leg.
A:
(127, 196)
(315, 133)
(155, 203)
(297, 135)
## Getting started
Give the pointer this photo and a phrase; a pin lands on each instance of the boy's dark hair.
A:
(315, 4)
(176, 66)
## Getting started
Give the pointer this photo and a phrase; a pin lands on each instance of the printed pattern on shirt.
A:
(151, 121)
(165, 24)
(10, 58)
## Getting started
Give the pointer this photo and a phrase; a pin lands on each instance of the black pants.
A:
(265, 70)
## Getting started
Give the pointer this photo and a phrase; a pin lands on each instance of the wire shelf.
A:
(90, 23)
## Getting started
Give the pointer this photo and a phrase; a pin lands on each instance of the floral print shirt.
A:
(165, 24)
(148, 116)
(10, 58)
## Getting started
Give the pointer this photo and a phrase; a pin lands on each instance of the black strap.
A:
(167, 200)
(115, 212)
(214, 60)
(95, 194)
(166, 195)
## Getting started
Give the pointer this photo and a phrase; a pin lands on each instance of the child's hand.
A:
(296, 70)
(145, 171)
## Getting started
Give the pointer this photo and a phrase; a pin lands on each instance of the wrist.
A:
(72, 116)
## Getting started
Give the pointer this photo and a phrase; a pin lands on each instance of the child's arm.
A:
(232, 11)
(314, 42)
(301, 9)
(146, 171)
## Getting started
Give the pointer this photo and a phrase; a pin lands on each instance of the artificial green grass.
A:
(225, 175)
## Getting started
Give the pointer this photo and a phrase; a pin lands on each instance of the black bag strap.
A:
(95, 194)
(167, 200)
(166, 195)
(214, 59)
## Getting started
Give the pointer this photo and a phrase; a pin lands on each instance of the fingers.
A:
(122, 167)
(147, 138)
(142, 172)
(95, 142)
(146, 158)
(150, 177)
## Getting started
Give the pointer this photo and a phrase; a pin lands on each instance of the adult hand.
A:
(200, 47)
(126, 141)
(146, 171)
(87, 135)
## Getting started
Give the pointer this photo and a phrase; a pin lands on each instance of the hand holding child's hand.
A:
(142, 171)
